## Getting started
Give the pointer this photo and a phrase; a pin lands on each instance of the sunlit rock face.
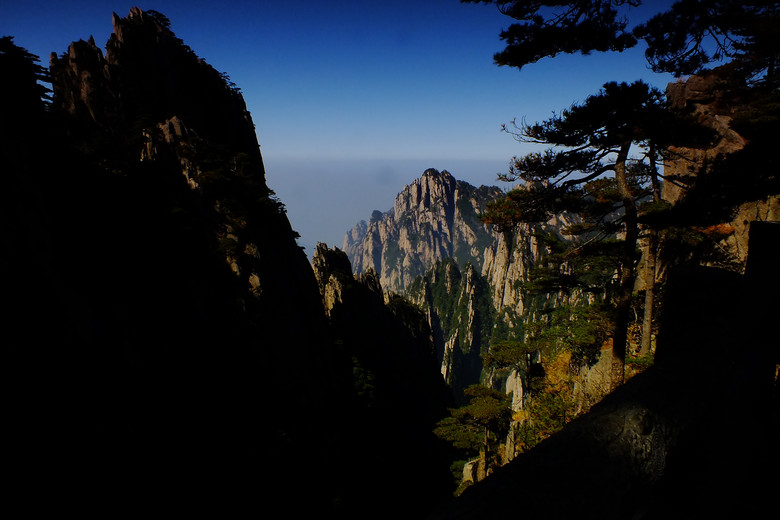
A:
(438, 218)
(706, 97)
(701, 94)
(508, 261)
(434, 218)
(466, 276)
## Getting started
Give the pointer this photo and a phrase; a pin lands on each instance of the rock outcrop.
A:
(147, 76)
(170, 326)
(459, 311)
(434, 218)
(508, 262)
(703, 96)
(467, 276)
(394, 391)
(738, 171)
(437, 218)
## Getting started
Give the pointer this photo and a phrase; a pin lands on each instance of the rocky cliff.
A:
(153, 115)
(152, 99)
(169, 334)
(732, 182)
(146, 76)
(703, 95)
(460, 314)
(467, 276)
(512, 256)
(395, 394)
(437, 218)
(434, 218)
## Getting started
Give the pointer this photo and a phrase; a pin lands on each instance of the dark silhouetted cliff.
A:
(167, 334)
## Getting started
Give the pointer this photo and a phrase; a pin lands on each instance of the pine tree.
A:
(589, 169)
(686, 38)
(474, 426)
(546, 29)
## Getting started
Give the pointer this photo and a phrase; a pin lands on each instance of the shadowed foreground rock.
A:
(692, 437)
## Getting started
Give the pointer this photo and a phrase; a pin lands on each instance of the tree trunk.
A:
(627, 269)
(651, 261)
(650, 275)
(487, 449)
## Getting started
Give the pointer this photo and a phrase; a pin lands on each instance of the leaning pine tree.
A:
(685, 37)
(477, 426)
(601, 164)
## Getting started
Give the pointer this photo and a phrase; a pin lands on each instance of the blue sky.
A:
(353, 99)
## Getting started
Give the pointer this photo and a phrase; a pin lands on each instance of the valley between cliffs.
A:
(171, 348)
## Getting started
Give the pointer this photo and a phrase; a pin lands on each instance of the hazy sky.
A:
(353, 99)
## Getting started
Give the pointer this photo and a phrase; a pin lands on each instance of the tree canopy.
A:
(683, 39)
(587, 142)
(694, 33)
(546, 29)
(21, 87)
(603, 155)
(471, 426)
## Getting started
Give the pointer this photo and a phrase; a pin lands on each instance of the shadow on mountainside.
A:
(692, 437)
(164, 335)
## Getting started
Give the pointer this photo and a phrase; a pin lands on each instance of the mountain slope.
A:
(166, 296)
(169, 334)
(469, 278)
(658, 447)
(434, 218)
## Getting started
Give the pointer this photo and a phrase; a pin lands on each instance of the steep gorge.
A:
(170, 340)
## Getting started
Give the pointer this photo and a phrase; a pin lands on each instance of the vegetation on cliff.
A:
(477, 427)
(169, 337)
(590, 167)
(612, 160)
(683, 213)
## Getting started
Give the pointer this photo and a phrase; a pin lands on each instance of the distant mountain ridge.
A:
(434, 218)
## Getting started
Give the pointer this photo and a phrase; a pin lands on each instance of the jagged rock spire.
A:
(433, 218)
